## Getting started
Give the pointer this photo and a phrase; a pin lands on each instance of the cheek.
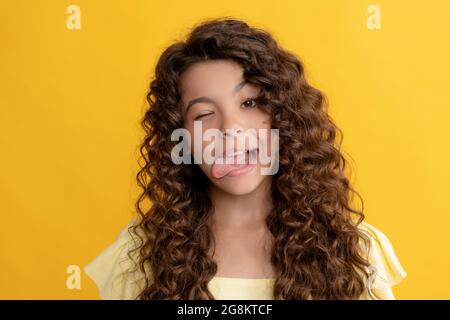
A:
(265, 136)
(191, 138)
(262, 123)
(197, 140)
(261, 119)
(267, 120)
(202, 148)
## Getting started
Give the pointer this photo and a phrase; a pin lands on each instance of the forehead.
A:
(210, 78)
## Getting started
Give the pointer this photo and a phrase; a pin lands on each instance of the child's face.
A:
(227, 104)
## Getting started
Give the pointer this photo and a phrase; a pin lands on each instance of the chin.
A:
(238, 188)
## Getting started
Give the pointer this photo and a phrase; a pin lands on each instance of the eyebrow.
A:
(239, 86)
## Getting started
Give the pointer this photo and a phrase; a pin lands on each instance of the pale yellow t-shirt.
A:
(109, 272)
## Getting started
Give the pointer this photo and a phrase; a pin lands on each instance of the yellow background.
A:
(71, 101)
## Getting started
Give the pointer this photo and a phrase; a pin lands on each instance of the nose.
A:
(233, 125)
(231, 132)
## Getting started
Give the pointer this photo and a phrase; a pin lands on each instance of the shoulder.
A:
(114, 271)
(385, 265)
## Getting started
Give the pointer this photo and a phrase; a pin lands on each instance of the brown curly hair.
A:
(316, 250)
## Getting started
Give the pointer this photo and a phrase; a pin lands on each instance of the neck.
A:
(242, 210)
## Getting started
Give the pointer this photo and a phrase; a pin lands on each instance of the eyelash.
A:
(248, 99)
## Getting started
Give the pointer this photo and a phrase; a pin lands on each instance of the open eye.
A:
(249, 103)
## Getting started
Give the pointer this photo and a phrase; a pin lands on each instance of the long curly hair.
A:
(316, 251)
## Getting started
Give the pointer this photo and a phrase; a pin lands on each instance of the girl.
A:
(228, 231)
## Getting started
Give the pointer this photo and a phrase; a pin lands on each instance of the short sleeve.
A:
(385, 266)
(114, 272)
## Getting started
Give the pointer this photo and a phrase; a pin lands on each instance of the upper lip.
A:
(235, 153)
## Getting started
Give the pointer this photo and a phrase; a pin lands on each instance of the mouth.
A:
(238, 157)
(238, 164)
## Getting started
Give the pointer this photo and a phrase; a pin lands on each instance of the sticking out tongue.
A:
(223, 167)
(219, 170)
